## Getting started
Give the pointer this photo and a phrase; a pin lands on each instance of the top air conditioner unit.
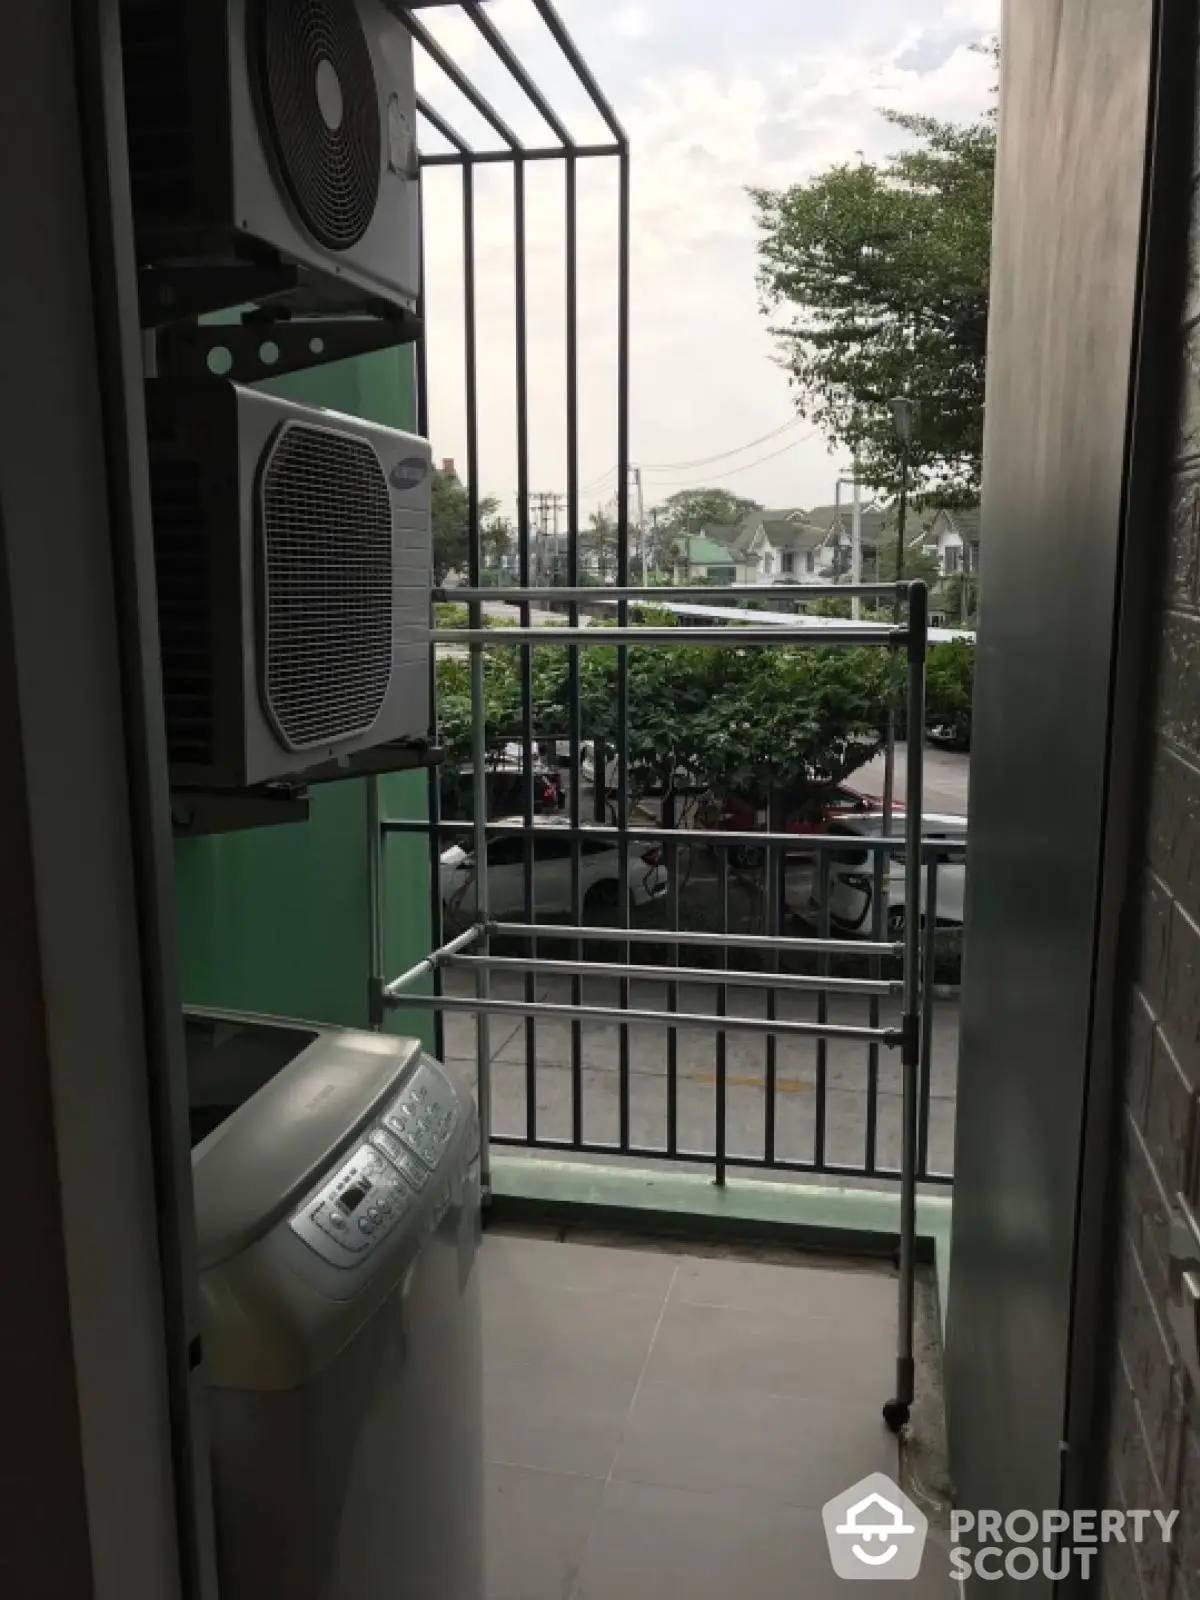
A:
(293, 564)
(275, 132)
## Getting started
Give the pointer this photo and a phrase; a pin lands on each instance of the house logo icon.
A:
(875, 1531)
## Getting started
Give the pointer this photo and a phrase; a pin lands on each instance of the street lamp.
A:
(902, 410)
(902, 414)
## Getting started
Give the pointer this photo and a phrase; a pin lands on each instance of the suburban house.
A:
(787, 545)
(953, 537)
(792, 545)
(704, 558)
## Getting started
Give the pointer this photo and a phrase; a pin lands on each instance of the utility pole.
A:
(641, 521)
(544, 507)
(855, 532)
(856, 545)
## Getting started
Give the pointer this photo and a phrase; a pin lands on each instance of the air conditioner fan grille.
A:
(326, 602)
(320, 109)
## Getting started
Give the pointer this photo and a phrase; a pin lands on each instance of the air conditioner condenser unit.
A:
(293, 563)
(275, 132)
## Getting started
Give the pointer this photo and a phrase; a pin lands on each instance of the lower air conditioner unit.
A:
(293, 560)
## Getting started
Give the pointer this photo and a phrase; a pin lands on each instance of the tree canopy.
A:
(692, 510)
(749, 722)
(450, 513)
(876, 274)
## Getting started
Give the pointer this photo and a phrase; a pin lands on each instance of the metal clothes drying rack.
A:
(471, 951)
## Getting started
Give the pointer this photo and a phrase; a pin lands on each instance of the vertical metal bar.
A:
(880, 878)
(483, 1054)
(521, 311)
(721, 1087)
(433, 786)
(910, 1048)
(623, 226)
(774, 890)
(928, 976)
(574, 685)
(672, 860)
(819, 1140)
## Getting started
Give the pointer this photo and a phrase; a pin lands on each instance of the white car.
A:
(852, 878)
(599, 875)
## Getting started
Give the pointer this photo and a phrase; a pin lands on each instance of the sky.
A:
(715, 96)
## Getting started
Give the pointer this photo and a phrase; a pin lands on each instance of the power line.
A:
(701, 461)
(732, 472)
(723, 455)
(595, 482)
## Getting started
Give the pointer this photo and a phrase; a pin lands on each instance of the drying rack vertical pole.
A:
(479, 804)
(482, 912)
(376, 850)
(896, 1411)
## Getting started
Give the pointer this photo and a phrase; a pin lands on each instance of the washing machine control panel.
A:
(424, 1114)
(355, 1210)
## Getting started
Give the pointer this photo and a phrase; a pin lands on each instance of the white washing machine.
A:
(337, 1210)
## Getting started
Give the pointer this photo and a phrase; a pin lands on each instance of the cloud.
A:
(633, 22)
(765, 94)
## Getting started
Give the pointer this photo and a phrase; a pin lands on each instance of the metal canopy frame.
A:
(470, 951)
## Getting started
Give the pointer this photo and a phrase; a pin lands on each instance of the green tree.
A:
(752, 722)
(496, 532)
(961, 598)
(950, 688)
(450, 510)
(693, 510)
(881, 272)
(918, 563)
(600, 539)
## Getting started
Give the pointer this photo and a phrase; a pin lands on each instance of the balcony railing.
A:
(731, 1046)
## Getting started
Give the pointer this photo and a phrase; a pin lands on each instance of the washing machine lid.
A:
(260, 1162)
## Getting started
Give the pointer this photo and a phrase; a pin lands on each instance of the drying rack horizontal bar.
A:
(799, 844)
(707, 1022)
(725, 977)
(786, 594)
(735, 637)
(712, 941)
(433, 960)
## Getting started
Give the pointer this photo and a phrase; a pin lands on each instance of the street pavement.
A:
(947, 778)
(853, 1082)
(848, 1074)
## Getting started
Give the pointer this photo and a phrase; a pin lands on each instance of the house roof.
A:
(828, 516)
(798, 536)
(701, 551)
(725, 533)
(754, 520)
(967, 520)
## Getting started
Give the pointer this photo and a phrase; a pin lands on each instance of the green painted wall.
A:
(278, 919)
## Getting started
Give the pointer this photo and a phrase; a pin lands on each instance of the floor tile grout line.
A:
(544, 1472)
(637, 1389)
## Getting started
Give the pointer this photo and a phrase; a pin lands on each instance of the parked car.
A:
(599, 874)
(734, 814)
(852, 879)
(954, 734)
(685, 782)
(505, 780)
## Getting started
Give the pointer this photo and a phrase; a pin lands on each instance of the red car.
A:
(812, 816)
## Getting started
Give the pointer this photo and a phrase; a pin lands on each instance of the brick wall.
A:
(1154, 1433)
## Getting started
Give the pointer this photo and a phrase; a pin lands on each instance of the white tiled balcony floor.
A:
(662, 1422)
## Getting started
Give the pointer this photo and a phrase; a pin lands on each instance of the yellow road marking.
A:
(734, 1081)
